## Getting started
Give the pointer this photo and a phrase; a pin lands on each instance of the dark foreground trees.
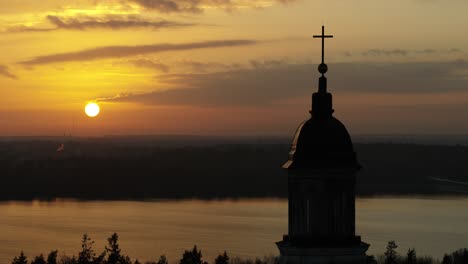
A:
(21, 259)
(222, 259)
(391, 256)
(193, 256)
(411, 256)
(112, 254)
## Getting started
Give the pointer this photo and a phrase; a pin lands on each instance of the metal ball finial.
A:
(322, 68)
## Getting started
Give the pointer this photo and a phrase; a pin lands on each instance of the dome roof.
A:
(322, 143)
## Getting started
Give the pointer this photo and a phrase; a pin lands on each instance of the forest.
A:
(112, 254)
(152, 168)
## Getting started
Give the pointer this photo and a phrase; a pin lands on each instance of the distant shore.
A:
(186, 168)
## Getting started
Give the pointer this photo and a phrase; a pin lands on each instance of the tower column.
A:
(322, 169)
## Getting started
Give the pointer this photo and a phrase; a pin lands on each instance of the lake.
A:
(245, 228)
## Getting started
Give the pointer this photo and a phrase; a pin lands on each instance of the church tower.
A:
(322, 169)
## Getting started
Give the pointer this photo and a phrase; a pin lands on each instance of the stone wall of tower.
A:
(321, 208)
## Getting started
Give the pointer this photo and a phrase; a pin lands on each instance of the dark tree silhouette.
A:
(371, 260)
(192, 257)
(391, 255)
(260, 261)
(162, 260)
(113, 251)
(222, 259)
(426, 260)
(447, 259)
(52, 257)
(460, 256)
(21, 259)
(68, 260)
(86, 255)
(39, 260)
(411, 256)
(125, 260)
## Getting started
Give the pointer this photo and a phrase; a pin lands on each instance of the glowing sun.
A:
(92, 109)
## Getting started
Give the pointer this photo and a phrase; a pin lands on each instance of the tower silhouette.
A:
(322, 170)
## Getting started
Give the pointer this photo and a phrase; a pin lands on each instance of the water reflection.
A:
(245, 228)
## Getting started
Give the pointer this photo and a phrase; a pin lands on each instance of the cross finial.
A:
(323, 37)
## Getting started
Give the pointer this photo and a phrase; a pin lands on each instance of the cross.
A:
(323, 36)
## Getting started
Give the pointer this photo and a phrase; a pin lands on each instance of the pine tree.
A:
(113, 250)
(222, 259)
(391, 255)
(162, 260)
(411, 256)
(39, 260)
(465, 256)
(447, 259)
(192, 257)
(22, 259)
(87, 255)
(52, 257)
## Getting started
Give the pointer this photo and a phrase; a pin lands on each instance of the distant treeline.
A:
(100, 169)
(112, 254)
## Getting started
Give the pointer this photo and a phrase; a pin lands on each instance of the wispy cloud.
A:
(106, 22)
(23, 28)
(113, 98)
(112, 23)
(149, 64)
(383, 52)
(404, 52)
(202, 67)
(268, 64)
(126, 51)
(168, 6)
(6, 73)
(266, 85)
(198, 6)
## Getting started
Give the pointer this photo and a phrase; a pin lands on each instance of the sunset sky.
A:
(230, 67)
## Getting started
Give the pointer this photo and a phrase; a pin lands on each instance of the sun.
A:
(92, 109)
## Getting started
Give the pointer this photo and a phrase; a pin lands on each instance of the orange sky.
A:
(238, 67)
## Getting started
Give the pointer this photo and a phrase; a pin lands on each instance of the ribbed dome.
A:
(322, 143)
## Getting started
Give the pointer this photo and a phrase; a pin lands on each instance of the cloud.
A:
(22, 28)
(403, 52)
(112, 23)
(169, 6)
(263, 86)
(202, 67)
(382, 52)
(198, 6)
(145, 63)
(107, 22)
(455, 50)
(112, 98)
(266, 64)
(126, 51)
(5, 72)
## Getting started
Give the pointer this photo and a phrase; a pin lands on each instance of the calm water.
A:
(246, 228)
